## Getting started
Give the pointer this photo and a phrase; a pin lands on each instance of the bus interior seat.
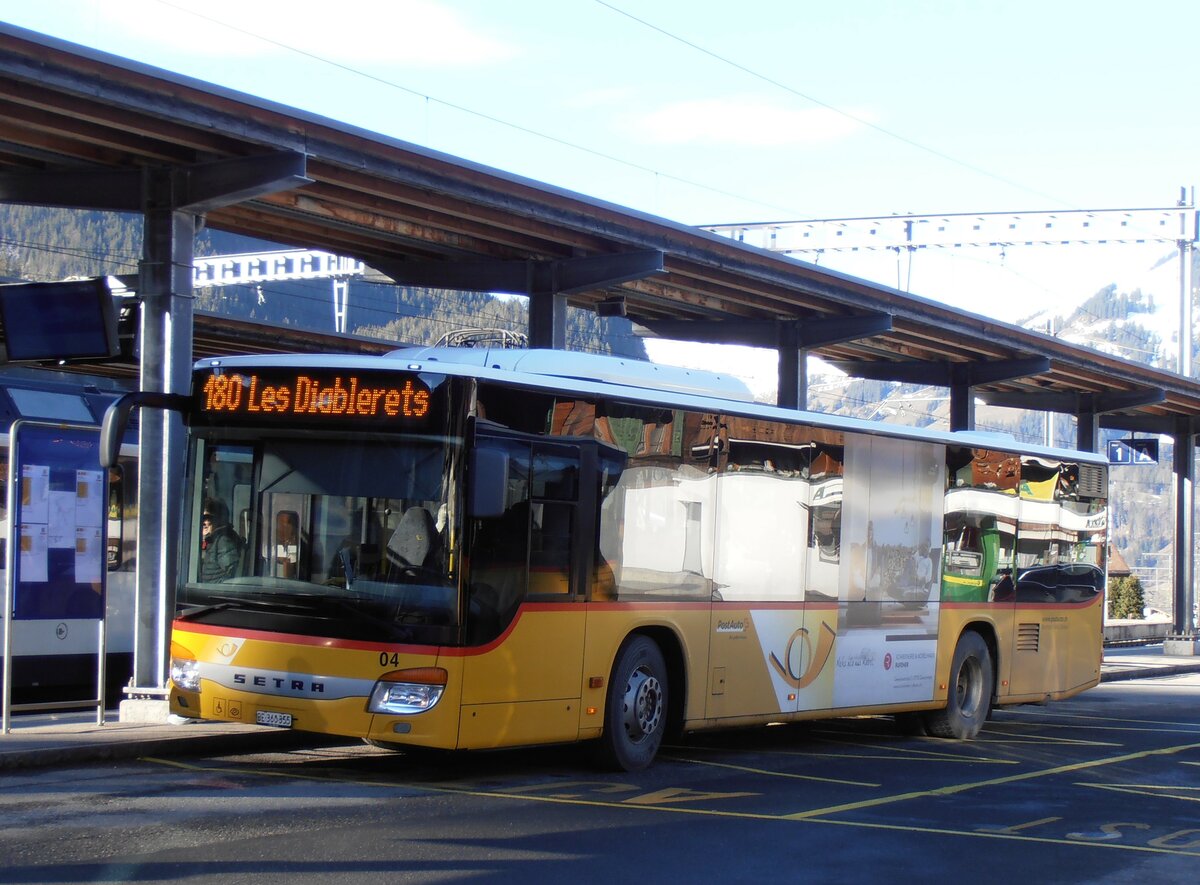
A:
(415, 540)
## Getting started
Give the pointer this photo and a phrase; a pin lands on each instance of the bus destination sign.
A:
(311, 396)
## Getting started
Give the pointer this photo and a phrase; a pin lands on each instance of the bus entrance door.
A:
(522, 683)
(759, 648)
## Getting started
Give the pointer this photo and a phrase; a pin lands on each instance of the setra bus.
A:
(468, 549)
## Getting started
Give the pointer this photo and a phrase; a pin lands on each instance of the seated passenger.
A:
(220, 545)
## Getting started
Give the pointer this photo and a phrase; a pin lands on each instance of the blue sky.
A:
(707, 112)
(714, 111)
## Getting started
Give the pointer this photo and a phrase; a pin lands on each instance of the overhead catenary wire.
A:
(658, 173)
(483, 115)
(758, 75)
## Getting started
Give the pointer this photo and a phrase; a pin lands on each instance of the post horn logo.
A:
(816, 657)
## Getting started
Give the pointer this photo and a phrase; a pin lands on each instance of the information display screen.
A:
(318, 398)
(59, 321)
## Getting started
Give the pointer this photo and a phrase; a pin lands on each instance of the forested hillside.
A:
(51, 244)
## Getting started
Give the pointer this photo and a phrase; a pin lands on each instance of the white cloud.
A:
(743, 121)
(400, 32)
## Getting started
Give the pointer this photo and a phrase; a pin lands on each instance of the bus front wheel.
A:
(635, 714)
(970, 695)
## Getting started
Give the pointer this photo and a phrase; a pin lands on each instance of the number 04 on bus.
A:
(469, 549)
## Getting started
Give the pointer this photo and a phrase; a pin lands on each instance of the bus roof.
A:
(630, 380)
(589, 367)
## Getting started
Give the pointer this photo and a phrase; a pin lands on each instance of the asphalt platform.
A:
(39, 740)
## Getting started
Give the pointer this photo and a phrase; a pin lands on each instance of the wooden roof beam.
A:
(529, 277)
(959, 377)
(397, 198)
(794, 332)
(1074, 403)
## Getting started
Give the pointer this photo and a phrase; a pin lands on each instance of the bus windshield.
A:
(342, 537)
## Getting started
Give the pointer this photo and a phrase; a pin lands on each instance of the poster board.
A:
(57, 538)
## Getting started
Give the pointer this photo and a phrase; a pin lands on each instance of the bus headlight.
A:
(408, 691)
(185, 674)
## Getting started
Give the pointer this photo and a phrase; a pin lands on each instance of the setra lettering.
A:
(282, 685)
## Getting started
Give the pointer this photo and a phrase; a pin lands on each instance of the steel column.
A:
(548, 320)
(165, 287)
(793, 378)
(962, 407)
(1087, 431)
(1185, 503)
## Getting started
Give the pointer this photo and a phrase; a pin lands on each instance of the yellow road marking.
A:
(906, 754)
(516, 793)
(1154, 725)
(1080, 723)
(770, 773)
(1014, 837)
(1043, 740)
(987, 735)
(562, 788)
(954, 789)
(901, 756)
(737, 815)
(671, 795)
(1018, 827)
(1155, 790)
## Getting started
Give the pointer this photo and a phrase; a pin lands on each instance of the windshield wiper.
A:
(226, 602)
(318, 605)
(200, 611)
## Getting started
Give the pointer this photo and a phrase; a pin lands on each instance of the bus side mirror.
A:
(116, 418)
(488, 489)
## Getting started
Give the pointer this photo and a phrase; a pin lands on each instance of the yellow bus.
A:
(469, 549)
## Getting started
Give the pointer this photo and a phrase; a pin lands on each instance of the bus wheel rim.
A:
(642, 705)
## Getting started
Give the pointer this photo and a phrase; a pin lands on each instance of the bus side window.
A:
(500, 548)
(554, 493)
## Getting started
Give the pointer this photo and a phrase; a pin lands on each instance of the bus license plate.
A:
(276, 720)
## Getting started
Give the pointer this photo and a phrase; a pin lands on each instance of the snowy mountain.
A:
(1137, 319)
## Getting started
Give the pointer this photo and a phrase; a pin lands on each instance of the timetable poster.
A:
(60, 566)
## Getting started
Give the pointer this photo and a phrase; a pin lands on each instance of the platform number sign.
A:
(1133, 451)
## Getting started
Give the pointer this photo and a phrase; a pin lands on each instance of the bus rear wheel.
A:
(635, 714)
(970, 696)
